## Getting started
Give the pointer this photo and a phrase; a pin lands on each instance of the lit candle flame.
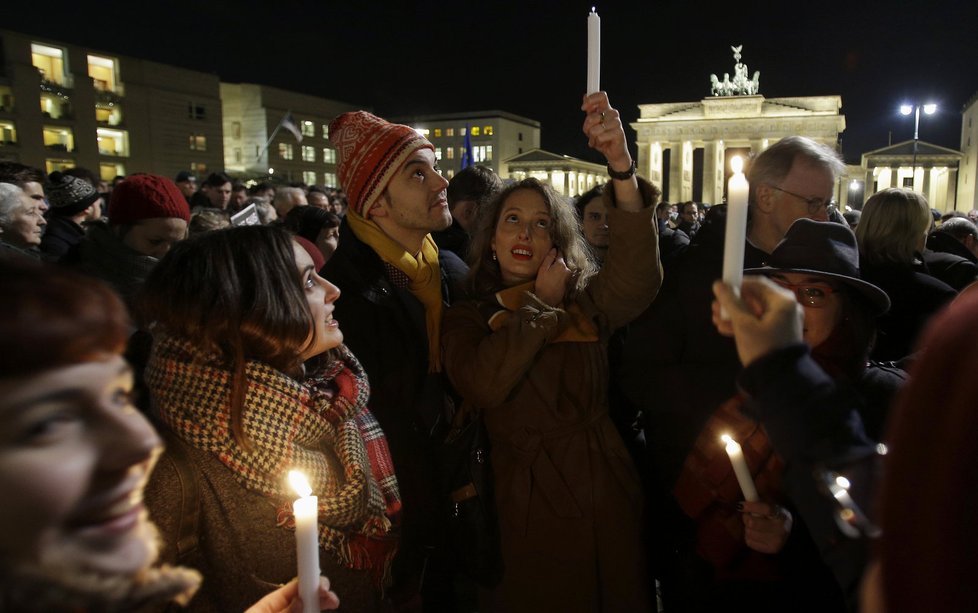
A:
(299, 483)
(736, 164)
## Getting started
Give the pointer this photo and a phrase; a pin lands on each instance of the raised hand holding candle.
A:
(740, 468)
(593, 52)
(736, 231)
(306, 511)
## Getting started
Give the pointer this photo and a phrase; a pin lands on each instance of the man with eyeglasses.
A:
(679, 370)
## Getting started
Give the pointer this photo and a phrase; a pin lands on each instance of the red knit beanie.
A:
(369, 151)
(317, 256)
(146, 197)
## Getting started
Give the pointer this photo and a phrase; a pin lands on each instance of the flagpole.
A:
(272, 137)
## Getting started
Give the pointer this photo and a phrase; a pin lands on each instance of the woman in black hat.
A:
(759, 553)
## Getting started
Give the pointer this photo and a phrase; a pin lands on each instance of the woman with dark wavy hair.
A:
(529, 350)
(249, 375)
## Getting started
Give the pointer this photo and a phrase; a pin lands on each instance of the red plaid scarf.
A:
(288, 423)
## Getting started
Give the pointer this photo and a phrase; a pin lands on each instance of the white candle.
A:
(593, 52)
(740, 468)
(306, 511)
(736, 232)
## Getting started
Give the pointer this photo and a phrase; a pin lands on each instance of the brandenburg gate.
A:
(735, 117)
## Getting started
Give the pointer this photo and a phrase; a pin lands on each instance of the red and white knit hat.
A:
(370, 150)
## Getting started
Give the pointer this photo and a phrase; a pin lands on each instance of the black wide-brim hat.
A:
(826, 249)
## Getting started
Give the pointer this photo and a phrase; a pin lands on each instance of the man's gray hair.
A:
(959, 227)
(775, 162)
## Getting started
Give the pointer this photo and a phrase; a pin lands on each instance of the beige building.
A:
(967, 196)
(63, 105)
(253, 114)
(495, 136)
(569, 176)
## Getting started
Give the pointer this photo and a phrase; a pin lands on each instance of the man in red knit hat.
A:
(395, 284)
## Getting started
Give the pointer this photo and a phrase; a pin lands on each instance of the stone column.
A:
(952, 190)
(713, 171)
(925, 184)
(686, 192)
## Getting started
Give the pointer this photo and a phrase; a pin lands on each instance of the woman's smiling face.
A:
(74, 457)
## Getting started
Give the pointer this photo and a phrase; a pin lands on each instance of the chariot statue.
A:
(741, 85)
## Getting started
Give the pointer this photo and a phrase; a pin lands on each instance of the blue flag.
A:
(467, 148)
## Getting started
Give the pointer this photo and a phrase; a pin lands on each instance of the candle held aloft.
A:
(736, 230)
(593, 52)
(740, 468)
(306, 512)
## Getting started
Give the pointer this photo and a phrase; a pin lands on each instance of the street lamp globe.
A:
(906, 109)
(930, 109)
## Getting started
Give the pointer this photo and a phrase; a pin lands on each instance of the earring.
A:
(494, 258)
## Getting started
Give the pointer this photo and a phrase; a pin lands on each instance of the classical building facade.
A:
(569, 176)
(63, 105)
(930, 170)
(257, 143)
(494, 136)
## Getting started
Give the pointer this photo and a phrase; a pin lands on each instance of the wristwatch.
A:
(623, 175)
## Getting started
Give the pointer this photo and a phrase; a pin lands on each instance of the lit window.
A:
(110, 170)
(8, 133)
(449, 131)
(308, 153)
(52, 165)
(487, 130)
(479, 153)
(108, 113)
(198, 142)
(198, 168)
(325, 130)
(50, 61)
(437, 132)
(329, 179)
(461, 131)
(450, 153)
(113, 142)
(104, 73)
(422, 131)
(59, 139)
(308, 128)
(308, 177)
(329, 155)
(196, 111)
(449, 174)
(55, 106)
(285, 151)
(475, 130)
(437, 153)
(488, 153)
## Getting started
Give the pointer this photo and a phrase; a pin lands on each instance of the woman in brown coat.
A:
(531, 352)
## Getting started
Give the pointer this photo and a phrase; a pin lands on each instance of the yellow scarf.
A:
(423, 272)
(580, 329)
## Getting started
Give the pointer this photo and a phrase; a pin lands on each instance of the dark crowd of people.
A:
(170, 351)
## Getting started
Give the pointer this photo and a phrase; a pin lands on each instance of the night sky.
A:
(528, 58)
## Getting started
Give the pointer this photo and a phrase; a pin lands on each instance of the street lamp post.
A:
(906, 109)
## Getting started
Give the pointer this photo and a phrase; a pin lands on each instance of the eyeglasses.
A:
(809, 294)
(814, 204)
